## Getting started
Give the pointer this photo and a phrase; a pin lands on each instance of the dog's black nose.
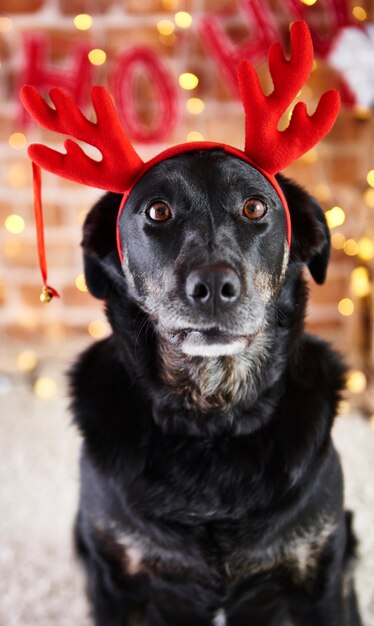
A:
(213, 286)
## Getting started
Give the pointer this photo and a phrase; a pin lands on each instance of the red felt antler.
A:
(120, 163)
(271, 149)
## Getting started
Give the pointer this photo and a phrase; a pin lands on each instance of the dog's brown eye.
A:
(159, 212)
(254, 209)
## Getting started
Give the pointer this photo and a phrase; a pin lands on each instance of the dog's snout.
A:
(213, 285)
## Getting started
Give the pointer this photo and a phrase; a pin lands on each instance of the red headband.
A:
(266, 148)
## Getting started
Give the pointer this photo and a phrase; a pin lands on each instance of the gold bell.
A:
(46, 295)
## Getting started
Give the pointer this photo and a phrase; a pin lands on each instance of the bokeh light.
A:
(335, 217)
(98, 329)
(183, 19)
(17, 141)
(83, 21)
(27, 361)
(80, 283)
(97, 56)
(188, 80)
(195, 106)
(346, 307)
(15, 224)
(356, 381)
(45, 388)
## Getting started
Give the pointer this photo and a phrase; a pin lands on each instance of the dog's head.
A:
(205, 251)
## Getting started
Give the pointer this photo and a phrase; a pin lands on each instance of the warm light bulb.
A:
(370, 178)
(98, 329)
(356, 381)
(335, 217)
(83, 21)
(80, 283)
(97, 56)
(194, 135)
(195, 106)
(15, 224)
(359, 13)
(188, 81)
(360, 282)
(337, 241)
(165, 27)
(369, 198)
(350, 247)
(17, 141)
(27, 361)
(346, 307)
(366, 249)
(183, 19)
(45, 388)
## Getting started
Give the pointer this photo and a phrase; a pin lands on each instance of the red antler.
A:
(120, 163)
(271, 149)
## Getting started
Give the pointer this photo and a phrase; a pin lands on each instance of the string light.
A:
(45, 388)
(309, 3)
(15, 224)
(360, 282)
(194, 135)
(359, 13)
(369, 198)
(346, 307)
(183, 19)
(366, 249)
(188, 81)
(80, 283)
(338, 241)
(83, 21)
(350, 247)
(370, 178)
(98, 329)
(27, 361)
(356, 381)
(335, 217)
(195, 106)
(97, 56)
(17, 141)
(165, 27)
(6, 24)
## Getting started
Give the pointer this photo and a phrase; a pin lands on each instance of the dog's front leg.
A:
(115, 599)
(329, 600)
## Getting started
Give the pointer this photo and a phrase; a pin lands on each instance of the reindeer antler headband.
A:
(266, 148)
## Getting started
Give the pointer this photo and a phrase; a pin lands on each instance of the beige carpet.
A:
(40, 582)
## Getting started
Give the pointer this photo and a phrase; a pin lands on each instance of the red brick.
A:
(21, 6)
(74, 7)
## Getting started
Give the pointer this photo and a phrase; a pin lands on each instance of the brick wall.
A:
(335, 172)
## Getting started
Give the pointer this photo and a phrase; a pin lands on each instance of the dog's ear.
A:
(102, 266)
(310, 242)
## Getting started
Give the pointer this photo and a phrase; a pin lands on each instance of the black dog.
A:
(211, 492)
